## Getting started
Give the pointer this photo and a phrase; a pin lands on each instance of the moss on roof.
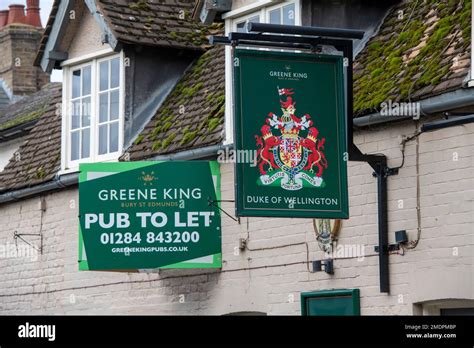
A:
(165, 23)
(139, 5)
(34, 115)
(412, 53)
(192, 115)
(39, 156)
(183, 93)
(28, 108)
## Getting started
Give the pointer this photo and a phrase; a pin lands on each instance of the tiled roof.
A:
(38, 159)
(28, 108)
(422, 49)
(157, 23)
(192, 116)
(162, 23)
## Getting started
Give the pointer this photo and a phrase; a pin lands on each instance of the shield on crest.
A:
(290, 151)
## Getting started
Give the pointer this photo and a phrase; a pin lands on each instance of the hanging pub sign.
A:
(147, 215)
(290, 113)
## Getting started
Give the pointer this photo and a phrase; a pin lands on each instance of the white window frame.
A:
(263, 9)
(245, 18)
(68, 165)
(267, 10)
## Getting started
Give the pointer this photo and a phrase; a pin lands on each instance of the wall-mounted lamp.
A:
(327, 264)
(401, 237)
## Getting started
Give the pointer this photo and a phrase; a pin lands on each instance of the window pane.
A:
(75, 145)
(104, 75)
(275, 16)
(114, 105)
(254, 19)
(86, 80)
(114, 137)
(289, 14)
(242, 26)
(86, 112)
(76, 83)
(103, 139)
(103, 107)
(115, 72)
(86, 142)
(75, 114)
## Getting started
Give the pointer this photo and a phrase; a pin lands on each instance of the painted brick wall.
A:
(270, 277)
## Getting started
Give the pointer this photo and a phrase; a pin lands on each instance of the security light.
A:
(327, 264)
(401, 237)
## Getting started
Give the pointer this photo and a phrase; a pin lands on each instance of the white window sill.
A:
(75, 167)
(68, 171)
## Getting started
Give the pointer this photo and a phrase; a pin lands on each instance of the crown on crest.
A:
(266, 132)
(312, 134)
(292, 133)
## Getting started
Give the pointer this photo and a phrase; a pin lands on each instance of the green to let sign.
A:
(148, 215)
(290, 112)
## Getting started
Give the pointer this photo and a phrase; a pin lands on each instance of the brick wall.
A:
(271, 280)
(18, 47)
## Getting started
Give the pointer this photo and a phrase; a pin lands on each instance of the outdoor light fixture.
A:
(400, 238)
(327, 264)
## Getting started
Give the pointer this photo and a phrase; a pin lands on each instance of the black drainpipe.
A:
(382, 213)
(381, 172)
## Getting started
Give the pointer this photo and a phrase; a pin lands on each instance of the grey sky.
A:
(45, 6)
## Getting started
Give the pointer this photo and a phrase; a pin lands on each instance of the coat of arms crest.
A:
(289, 153)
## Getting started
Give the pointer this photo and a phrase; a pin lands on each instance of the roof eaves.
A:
(104, 23)
(47, 31)
(54, 30)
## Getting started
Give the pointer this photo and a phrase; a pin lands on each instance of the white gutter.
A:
(57, 183)
(192, 154)
(72, 179)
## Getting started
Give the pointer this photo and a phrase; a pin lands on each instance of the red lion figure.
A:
(264, 151)
(316, 156)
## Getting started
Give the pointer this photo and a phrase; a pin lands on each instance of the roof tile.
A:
(157, 23)
(415, 56)
(28, 108)
(38, 158)
(193, 114)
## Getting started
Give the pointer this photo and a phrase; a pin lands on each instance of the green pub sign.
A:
(290, 113)
(148, 215)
